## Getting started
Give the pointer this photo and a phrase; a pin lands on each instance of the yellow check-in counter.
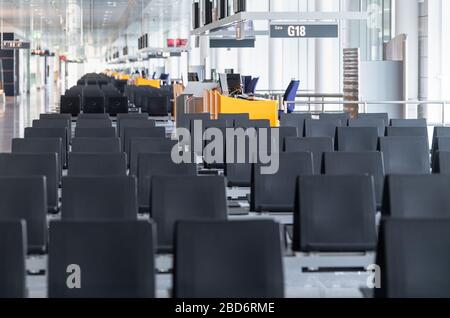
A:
(256, 108)
(148, 82)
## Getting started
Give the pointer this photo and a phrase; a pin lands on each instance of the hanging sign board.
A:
(15, 45)
(296, 31)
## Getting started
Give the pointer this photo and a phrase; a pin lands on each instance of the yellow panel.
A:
(257, 109)
(124, 77)
(147, 82)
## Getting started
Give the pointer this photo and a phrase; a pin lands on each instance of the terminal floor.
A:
(19, 113)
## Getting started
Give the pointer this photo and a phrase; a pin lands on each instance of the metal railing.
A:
(365, 104)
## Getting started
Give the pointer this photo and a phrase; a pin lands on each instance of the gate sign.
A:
(15, 45)
(304, 31)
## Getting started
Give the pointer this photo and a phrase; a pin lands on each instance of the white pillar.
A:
(276, 54)
(325, 55)
(407, 22)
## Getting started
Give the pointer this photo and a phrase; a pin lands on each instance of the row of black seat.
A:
(151, 100)
(353, 230)
(93, 99)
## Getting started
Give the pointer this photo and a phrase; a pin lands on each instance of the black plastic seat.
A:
(414, 259)
(379, 123)
(116, 259)
(249, 254)
(295, 120)
(343, 117)
(148, 145)
(440, 144)
(13, 248)
(357, 139)
(132, 132)
(93, 117)
(335, 214)
(184, 120)
(417, 196)
(243, 123)
(25, 198)
(441, 162)
(357, 163)
(99, 198)
(97, 164)
(135, 123)
(439, 132)
(197, 198)
(56, 116)
(238, 170)
(94, 123)
(39, 145)
(317, 146)
(96, 145)
(376, 116)
(95, 132)
(26, 165)
(322, 128)
(422, 122)
(134, 116)
(276, 192)
(70, 104)
(60, 133)
(151, 164)
(55, 123)
(234, 117)
(406, 132)
(405, 155)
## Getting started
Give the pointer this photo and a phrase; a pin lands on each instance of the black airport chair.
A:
(26, 165)
(413, 258)
(94, 123)
(335, 214)
(39, 145)
(357, 163)
(114, 259)
(357, 139)
(322, 128)
(376, 116)
(417, 196)
(249, 254)
(25, 198)
(276, 192)
(197, 198)
(317, 146)
(406, 132)
(95, 132)
(132, 132)
(13, 248)
(148, 145)
(234, 117)
(151, 164)
(93, 117)
(96, 145)
(99, 198)
(61, 133)
(295, 120)
(343, 117)
(380, 124)
(97, 164)
(422, 122)
(405, 155)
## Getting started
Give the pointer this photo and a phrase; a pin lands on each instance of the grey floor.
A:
(19, 113)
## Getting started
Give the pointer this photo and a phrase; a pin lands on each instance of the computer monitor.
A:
(193, 77)
(224, 84)
(234, 82)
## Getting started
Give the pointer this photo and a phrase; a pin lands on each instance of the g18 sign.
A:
(304, 31)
